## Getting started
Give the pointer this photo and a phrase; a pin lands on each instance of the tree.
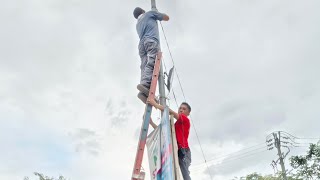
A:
(308, 166)
(43, 177)
(253, 176)
(256, 176)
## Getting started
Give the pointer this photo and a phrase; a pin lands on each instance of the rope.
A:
(165, 37)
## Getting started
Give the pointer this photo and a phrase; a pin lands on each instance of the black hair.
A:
(186, 104)
(137, 12)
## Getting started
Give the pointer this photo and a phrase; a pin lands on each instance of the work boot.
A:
(144, 98)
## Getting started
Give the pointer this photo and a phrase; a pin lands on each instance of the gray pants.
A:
(148, 49)
(184, 155)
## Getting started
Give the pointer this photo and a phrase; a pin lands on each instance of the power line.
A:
(229, 160)
(241, 157)
(298, 137)
(231, 156)
(185, 98)
(251, 154)
(282, 139)
(165, 37)
(227, 156)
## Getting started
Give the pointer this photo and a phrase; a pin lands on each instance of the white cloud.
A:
(68, 74)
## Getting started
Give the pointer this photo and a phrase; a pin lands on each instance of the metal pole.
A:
(153, 5)
(161, 83)
(161, 87)
(161, 77)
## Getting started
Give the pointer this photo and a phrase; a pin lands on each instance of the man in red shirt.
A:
(182, 127)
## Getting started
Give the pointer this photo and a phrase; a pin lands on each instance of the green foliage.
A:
(43, 177)
(256, 176)
(307, 166)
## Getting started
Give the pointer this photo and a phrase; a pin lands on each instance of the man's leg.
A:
(152, 48)
(144, 59)
(184, 162)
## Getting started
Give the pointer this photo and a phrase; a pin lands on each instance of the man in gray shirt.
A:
(147, 29)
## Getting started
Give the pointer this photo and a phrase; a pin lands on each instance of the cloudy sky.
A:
(69, 70)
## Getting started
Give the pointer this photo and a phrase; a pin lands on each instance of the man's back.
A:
(147, 26)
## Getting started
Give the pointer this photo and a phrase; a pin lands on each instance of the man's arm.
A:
(158, 106)
(160, 16)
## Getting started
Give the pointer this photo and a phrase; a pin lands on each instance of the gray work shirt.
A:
(147, 26)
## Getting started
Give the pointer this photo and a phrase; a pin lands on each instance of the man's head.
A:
(185, 109)
(137, 12)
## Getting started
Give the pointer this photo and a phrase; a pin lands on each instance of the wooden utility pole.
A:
(277, 143)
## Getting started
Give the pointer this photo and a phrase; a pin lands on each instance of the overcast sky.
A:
(69, 70)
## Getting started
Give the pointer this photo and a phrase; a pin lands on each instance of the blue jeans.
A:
(184, 155)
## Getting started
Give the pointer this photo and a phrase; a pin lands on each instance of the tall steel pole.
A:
(153, 5)
(161, 87)
(161, 77)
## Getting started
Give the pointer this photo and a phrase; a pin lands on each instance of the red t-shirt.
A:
(182, 127)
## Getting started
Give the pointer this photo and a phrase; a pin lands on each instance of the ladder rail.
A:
(137, 174)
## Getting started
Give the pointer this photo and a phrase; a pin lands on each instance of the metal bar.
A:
(161, 88)
(153, 5)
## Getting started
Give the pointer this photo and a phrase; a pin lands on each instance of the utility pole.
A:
(277, 143)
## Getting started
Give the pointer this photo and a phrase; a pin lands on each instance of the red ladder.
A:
(137, 174)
